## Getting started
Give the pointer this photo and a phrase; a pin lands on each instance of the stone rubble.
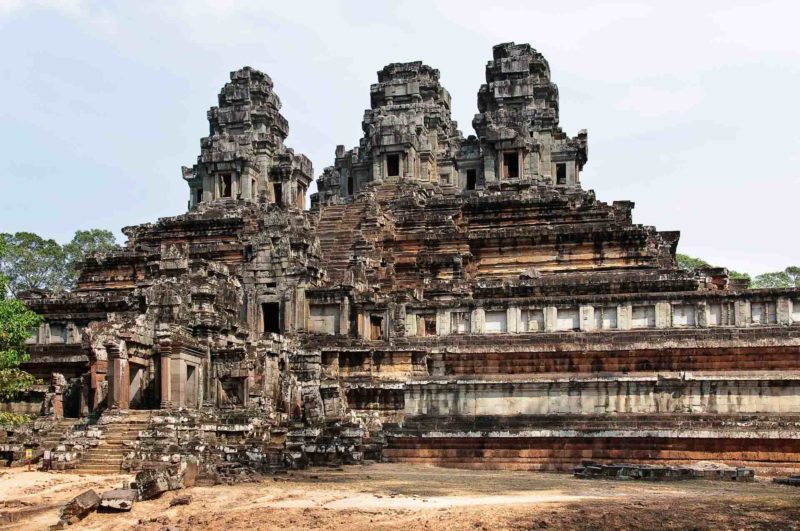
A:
(591, 470)
(120, 500)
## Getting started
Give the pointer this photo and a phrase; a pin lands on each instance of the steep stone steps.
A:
(338, 232)
(57, 433)
(106, 458)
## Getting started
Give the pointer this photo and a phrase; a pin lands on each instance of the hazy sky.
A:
(692, 107)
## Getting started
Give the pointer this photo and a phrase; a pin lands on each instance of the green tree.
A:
(16, 324)
(83, 244)
(30, 262)
(691, 263)
(788, 278)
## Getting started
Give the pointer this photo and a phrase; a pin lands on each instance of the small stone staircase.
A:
(106, 458)
(53, 437)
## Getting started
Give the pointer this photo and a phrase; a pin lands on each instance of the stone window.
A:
(376, 327)
(198, 196)
(605, 317)
(763, 313)
(226, 185)
(444, 179)
(231, 391)
(472, 179)
(460, 322)
(426, 324)
(495, 322)
(511, 165)
(533, 320)
(643, 316)
(684, 315)
(324, 319)
(58, 333)
(277, 189)
(721, 314)
(393, 165)
(561, 173)
(567, 319)
(271, 316)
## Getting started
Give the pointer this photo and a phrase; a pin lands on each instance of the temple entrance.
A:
(137, 388)
(72, 398)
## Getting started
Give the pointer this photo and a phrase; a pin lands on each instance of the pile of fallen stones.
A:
(621, 471)
(149, 484)
(792, 481)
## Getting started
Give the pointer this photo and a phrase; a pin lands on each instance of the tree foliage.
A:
(84, 244)
(788, 278)
(691, 263)
(31, 262)
(16, 325)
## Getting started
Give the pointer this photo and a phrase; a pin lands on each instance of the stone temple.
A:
(450, 300)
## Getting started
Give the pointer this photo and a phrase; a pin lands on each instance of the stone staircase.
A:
(338, 232)
(54, 436)
(106, 458)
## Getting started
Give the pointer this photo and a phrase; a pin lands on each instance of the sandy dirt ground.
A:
(413, 498)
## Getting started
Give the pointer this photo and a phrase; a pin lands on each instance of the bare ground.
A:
(414, 498)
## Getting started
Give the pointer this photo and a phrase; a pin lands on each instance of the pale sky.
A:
(692, 107)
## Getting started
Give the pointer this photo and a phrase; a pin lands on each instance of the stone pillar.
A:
(166, 376)
(443, 322)
(624, 312)
(550, 318)
(663, 315)
(702, 314)
(742, 313)
(411, 324)
(344, 317)
(178, 381)
(118, 379)
(513, 320)
(477, 320)
(586, 318)
(784, 309)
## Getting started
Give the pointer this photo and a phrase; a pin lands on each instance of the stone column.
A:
(477, 320)
(784, 310)
(550, 318)
(586, 318)
(624, 312)
(165, 353)
(118, 378)
(663, 315)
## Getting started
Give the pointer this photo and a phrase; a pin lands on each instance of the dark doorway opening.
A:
(375, 327)
(198, 196)
(272, 317)
(350, 185)
(393, 165)
(511, 165)
(225, 185)
(472, 179)
(72, 398)
(561, 173)
(278, 190)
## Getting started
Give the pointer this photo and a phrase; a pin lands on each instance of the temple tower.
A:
(244, 156)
